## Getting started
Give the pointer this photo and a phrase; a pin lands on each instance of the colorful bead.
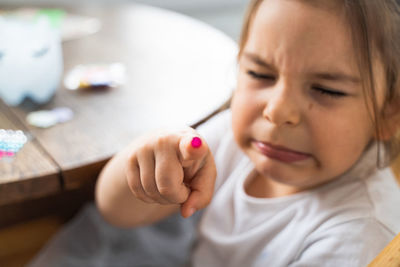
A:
(11, 142)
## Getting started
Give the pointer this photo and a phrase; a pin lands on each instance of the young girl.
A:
(287, 175)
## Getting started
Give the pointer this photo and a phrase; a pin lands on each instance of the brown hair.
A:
(375, 28)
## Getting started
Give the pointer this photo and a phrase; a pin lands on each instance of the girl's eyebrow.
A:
(336, 76)
(258, 60)
(329, 76)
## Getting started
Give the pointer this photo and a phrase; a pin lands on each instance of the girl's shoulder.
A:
(365, 192)
(373, 199)
(384, 194)
(353, 218)
(353, 243)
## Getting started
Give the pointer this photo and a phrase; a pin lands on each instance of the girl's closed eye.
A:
(260, 76)
(329, 92)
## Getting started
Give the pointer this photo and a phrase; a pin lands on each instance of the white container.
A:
(31, 62)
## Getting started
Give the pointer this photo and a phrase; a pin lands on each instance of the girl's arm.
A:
(155, 177)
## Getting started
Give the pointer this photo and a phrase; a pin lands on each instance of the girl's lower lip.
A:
(280, 154)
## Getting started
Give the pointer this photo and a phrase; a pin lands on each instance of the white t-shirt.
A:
(346, 222)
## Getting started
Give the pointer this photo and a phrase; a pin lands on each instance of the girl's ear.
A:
(391, 120)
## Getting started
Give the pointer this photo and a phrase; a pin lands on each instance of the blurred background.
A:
(166, 55)
(225, 15)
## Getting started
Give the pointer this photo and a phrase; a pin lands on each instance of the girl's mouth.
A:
(280, 153)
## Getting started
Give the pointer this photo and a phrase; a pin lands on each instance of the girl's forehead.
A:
(296, 32)
(301, 21)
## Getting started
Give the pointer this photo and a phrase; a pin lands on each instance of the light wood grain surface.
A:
(30, 173)
(396, 169)
(390, 255)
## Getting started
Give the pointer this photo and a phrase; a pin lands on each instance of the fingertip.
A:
(191, 212)
(192, 147)
(187, 212)
(195, 202)
(196, 142)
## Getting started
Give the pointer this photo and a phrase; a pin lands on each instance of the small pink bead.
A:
(9, 154)
(196, 142)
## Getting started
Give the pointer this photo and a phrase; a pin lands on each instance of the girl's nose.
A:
(281, 107)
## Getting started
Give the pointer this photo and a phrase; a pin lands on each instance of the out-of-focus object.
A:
(11, 142)
(76, 26)
(72, 26)
(95, 76)
(48, 118)
(30, 59)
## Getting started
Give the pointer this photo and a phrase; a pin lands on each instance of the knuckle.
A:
(164, 178)
(167, 191)
(138, 192)
(132, 157)
(148, 146)
(151, 191)
(163, 139)
(143, 149)
(135, 188)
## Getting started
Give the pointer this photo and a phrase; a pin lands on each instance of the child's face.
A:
(299, 89)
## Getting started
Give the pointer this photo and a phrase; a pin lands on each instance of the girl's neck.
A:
(262, 187)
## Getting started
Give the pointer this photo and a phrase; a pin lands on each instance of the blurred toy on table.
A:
(30, 59)
(11, 142)
(31, 63)
(95, 76)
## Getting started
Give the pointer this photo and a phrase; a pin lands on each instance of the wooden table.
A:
(178, 69)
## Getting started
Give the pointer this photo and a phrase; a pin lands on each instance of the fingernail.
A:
(196, 142)
(191, 212)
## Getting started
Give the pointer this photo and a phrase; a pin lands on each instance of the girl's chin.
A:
(283, 174)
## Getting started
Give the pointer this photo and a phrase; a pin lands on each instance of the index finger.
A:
(192, 148)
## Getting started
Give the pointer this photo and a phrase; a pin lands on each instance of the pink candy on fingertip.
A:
(196, 142)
